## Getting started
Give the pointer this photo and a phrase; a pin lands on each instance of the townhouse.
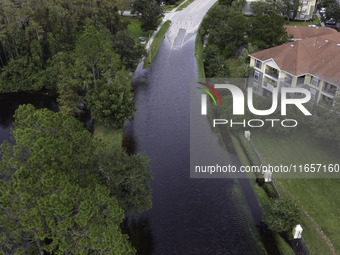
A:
(312, 63)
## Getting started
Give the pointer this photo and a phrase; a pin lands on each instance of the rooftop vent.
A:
(292, 45)
(338, 44)
(326, 40)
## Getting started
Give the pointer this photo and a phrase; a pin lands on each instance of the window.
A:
(288, 79)
(256, 75)
(314, 81)
(258, 64)
(304, 10)
(304, 3)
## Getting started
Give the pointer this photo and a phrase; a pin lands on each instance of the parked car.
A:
(330, 23)
(142, 40)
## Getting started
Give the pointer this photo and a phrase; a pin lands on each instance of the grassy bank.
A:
(110, 135)
(185, 5)
(199, 54)
(156, 43)
(319, 198)
(261, 195)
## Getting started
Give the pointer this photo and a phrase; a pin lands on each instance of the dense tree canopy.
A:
(268, 31)
(57, 195)
(67, 47)
(288, 8)
(95, 71)
(111, 103)
(150, 11)
(33, 32)
(230, 32)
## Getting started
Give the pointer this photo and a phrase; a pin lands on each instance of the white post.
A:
(267, 176)
(247, 134)
(297, 232)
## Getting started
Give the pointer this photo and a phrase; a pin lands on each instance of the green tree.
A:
(226, 2)
(244, 69)
(33, 33)
(226, 27)
(126, 176)
(267, 31)
(281, 215)
(333, 12)
(151, 12)
(111, 103)
(69, 90)
(289, 8)
(130, 53)
(215, 64)
(49, 193)
(265, 7)
(95, 56)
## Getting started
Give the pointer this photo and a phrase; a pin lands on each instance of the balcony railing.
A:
(330, 92)
(272, 74)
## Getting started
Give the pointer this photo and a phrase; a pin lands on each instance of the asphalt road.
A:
(186, 22)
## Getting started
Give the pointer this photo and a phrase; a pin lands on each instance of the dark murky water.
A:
(10, 102)
(189, 216)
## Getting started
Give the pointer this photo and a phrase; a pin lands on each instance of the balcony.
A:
(329, 92)
(329, 89)
(272, 73)
(269, 84)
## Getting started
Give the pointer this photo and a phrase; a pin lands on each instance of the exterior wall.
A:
(256, 84)
(306, 10)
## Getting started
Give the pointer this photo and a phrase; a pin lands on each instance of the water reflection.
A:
(10, 102)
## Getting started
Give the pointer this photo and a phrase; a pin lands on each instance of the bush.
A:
(281, 215)
(269, 190)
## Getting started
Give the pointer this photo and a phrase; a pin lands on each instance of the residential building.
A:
(311, 63)
(306, 9)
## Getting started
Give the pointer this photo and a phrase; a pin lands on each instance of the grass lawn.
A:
(233, 64)
(199, 56)
(110, 135)
(304, 23)
(135, 29)
(185, 5)
(167, 8)
(156, 43)
(319, 197)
